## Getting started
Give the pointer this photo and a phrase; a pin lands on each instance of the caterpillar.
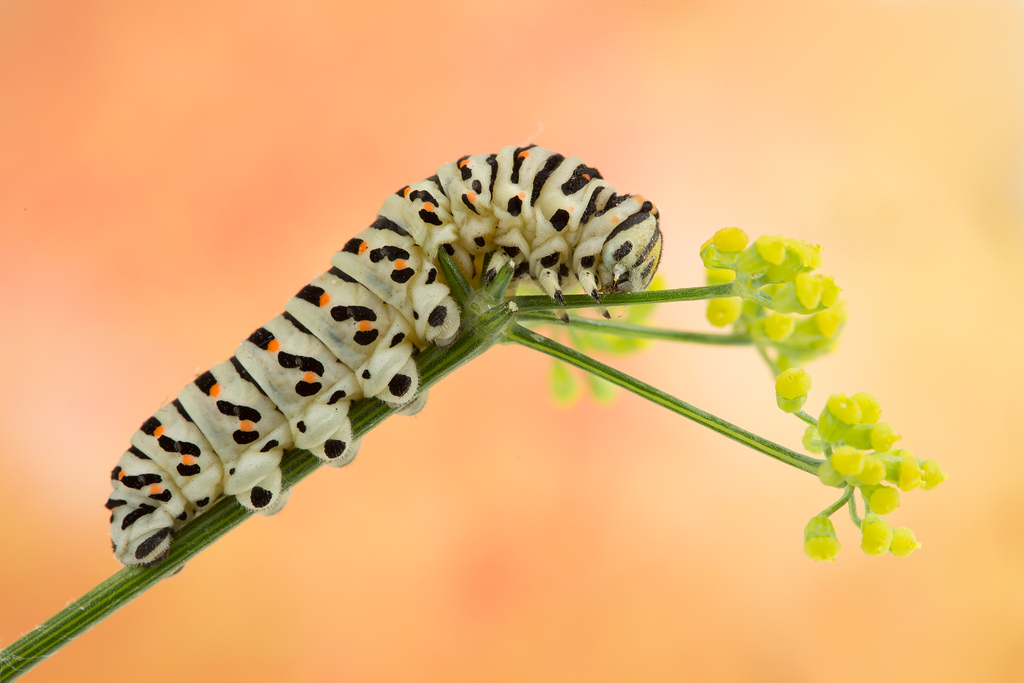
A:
(354, 331)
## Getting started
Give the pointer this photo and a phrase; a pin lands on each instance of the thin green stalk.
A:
(843, 500)
(529, 304)
(806, 418)
(772, 365)
(528, 338)
(457, 283)
(640, 331)
(853, 511)
(130, 582)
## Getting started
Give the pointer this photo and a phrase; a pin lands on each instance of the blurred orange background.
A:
(170, 173)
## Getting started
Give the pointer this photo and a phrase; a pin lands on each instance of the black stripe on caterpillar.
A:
(354, 330)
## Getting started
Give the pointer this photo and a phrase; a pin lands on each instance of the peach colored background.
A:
(170, 173)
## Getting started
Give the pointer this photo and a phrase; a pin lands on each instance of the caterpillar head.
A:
(632, 251)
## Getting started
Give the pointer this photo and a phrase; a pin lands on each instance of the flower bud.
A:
(829, 477)
(808, 290)
(909, 474)
(873, 471)
(829, 321)
(820, 542)
(847, 461)
(714, 259)
(719, 276)
(932, 474)
(882, 437)
(841, 412)
(771, 248)
(892, 460)
(778, 326)
(881, 499)
(722, 312)
(799, 257)
(858, 436)
(829, 292)
(876, 535)
(878, 437)
(903, 542)
(812, 441)
(870, 411)
(809, 256)
(791, 387)
(730, 240)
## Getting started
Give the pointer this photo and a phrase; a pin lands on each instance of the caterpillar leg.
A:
(139, 532)
(145, 507)
(416, 406)
(551, 285)
(336, 447)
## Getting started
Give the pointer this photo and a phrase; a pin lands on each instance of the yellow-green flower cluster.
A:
(778, 300)
(860, 457)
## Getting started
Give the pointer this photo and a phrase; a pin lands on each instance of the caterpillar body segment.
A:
(354, 331)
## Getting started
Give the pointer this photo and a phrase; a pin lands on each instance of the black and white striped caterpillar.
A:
(353, 332)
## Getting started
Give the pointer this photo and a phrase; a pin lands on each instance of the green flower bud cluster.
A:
(779, 301)
(859, 457)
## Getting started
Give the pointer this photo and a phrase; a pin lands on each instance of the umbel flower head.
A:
(769, 291)
(778, 299)
(859, 459)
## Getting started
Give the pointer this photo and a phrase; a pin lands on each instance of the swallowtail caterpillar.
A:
(354, 330)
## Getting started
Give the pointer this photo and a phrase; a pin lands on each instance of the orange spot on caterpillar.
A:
(614, 220)
(427, 206)
(400, 264)
(365, 326)
(188, 460)
(309, 377)
(572, 209)
(362, 247)
(215, 390)
(273, 346)
(246, 425)
(325, 299)
(120, 475)
(462, 164)
(524, 154)
(406, 190)
(521, 195)
(586, 176)
(471, 196)
(155, 489)
(159, 431)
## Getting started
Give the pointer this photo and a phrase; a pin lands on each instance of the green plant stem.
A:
(529, 304)
(772, 365)
(843, 500)
(640, 331)
(806, 418)
(853, 511)
(531, 339)
(461, 290)
(130, 582)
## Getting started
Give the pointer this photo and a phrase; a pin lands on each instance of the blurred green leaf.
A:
(565, 389)
(603, 391)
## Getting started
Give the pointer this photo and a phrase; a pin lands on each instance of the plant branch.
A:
(531, 339)
(640, 331)
(843, 500)
(529, 304)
